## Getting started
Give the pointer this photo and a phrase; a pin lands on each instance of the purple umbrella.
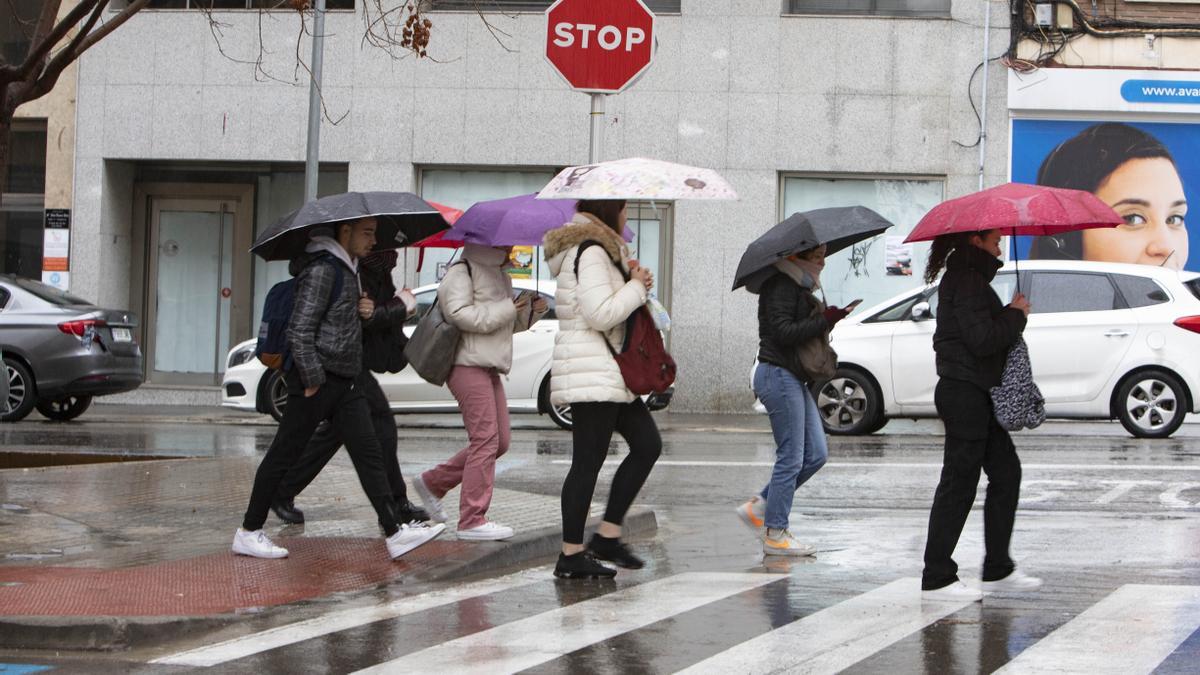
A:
(515, 221)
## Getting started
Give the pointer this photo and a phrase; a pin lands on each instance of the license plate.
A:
(122, 335)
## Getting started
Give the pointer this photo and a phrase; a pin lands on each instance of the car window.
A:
(1194, 286)
(550, 306)
(1005, 285)
(1052, 292)
(424, 302)
(4, 296)
(902, 311)
(1140, 291)
(49, 293)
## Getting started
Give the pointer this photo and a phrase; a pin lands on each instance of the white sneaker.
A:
(1015, 581)
(486, 532)
(410, 536)
(256, 544)
(753, 513)
(433, 505)
(783, 543)
(955, 592)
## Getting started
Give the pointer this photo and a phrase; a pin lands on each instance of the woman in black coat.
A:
(975, 331)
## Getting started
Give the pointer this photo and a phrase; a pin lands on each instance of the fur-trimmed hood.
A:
(583, 227)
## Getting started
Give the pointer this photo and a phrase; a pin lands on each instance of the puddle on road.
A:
(27, 460)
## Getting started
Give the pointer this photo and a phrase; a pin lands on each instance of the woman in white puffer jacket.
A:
(476, 297)
(597, 291)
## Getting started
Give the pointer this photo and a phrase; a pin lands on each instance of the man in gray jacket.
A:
(325, 338)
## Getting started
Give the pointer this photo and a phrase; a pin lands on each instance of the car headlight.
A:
(240, 356)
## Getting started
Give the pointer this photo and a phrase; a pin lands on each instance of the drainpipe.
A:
(983, 104)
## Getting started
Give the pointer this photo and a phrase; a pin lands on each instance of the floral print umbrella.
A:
(637, 178)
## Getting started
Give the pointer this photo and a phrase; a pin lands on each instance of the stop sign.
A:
(599, 47)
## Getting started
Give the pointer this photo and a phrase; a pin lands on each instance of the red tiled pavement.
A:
(212, 584)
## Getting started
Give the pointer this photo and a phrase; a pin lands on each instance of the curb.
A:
(111, 634)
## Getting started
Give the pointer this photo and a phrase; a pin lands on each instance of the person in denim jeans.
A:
(787, 320)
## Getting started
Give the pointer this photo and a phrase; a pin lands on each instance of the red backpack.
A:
(645, 365)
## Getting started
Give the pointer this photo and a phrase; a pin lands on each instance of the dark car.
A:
(60, 351)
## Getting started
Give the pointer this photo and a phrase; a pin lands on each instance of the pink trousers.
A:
(480, 397)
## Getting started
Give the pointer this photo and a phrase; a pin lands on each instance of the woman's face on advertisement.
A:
(1148, 194)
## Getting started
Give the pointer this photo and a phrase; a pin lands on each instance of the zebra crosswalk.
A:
(711, 622)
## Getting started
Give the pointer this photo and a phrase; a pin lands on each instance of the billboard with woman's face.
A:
(1148, 173)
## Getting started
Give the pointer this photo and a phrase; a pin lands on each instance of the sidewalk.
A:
(102, 555)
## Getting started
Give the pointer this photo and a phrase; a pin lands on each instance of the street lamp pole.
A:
(313, 152)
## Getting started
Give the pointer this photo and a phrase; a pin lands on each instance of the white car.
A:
(249, 385)
(1106, 341)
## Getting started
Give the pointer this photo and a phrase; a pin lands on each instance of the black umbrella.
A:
(402, 216)
(837, 228)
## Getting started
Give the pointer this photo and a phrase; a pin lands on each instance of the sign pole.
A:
(312, 154)
(596, 139)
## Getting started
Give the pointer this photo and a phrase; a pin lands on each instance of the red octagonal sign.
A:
(600, 47)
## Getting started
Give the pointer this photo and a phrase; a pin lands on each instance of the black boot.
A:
(287, 511)
(615, 552)
(407, 512)
(581, 566)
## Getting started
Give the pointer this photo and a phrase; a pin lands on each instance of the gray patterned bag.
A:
(1018, 403)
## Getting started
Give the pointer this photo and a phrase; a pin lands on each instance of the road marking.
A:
(836, 637)
(1171, 499)
(1131, 631)
(910, 465)
(333, 622)
(529, 642)
(1122, 488)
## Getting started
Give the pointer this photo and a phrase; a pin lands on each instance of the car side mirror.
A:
(921, 312)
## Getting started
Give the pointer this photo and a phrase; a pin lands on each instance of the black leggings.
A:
(594, 424)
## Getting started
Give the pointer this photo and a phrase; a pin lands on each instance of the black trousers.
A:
(341, 400)
(328, 438)
(974, 442)
(594, 424)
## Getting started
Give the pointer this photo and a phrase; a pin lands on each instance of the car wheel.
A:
(22, 394)
(561, 415)
(277, 394)
(64, 409)
(1151, 404)
(849, 403)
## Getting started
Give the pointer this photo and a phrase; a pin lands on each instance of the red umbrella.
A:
(438, 240)
(1017, 208)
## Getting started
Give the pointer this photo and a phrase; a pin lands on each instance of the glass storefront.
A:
(23, 202)
(877, 268)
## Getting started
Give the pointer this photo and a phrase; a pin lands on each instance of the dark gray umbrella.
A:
(837, 228)
(403, 218)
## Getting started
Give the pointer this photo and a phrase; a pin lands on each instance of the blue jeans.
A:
(796, 425)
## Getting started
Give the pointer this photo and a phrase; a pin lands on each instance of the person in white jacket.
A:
(476, 297)
(598, 288)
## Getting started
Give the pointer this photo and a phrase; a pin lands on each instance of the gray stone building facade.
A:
(183, 152)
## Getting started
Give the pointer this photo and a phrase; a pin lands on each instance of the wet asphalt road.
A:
(1106, 520)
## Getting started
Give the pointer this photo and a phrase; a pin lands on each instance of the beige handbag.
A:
(816, 357)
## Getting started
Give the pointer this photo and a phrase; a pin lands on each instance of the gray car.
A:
(60, 351)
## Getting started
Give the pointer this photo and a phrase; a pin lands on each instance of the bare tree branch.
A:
(46, 37)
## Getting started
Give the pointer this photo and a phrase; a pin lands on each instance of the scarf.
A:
(803, 272)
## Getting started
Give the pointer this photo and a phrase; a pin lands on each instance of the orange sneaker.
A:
(753, 513)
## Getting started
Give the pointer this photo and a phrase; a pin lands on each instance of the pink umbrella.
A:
(1017, 208)
(439, 240)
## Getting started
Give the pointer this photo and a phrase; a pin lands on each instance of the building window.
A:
(877, 268)
(23, 202)
(656, 6)
(239, 4)
(17, 22)
(910, 8)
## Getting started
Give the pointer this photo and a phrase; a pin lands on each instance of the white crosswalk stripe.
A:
(836, 637)
(538, 639)
(300, 631)
(1131, 631)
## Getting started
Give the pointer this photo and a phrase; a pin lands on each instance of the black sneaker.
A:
(615, 552)
(581, 566)
(407, 512)
(287, 511)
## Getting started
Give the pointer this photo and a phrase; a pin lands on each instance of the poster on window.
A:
(520, 262)
(1147, 171)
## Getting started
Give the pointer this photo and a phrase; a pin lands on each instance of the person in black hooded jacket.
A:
(975, 331)
(383, 343)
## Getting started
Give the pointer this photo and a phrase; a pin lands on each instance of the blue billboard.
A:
(1147, 171)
